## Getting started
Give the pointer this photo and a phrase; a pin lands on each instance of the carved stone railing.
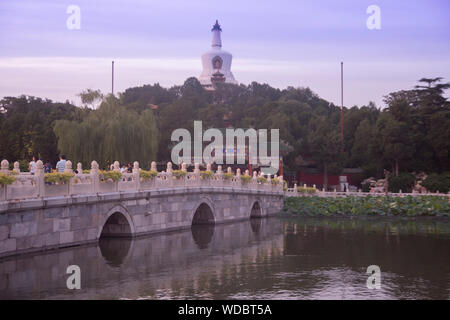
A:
(29, 186)
(293, 192)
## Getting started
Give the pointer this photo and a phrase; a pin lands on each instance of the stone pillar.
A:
(295, 190)
(229, 170)
(4, 166)
(16, 167)
(238, 172)
(79, 168)
(169, 167)
(116, 166)
(68, 167)
(136, 175)
(208, 166)
(94, 176)
(153, 166)
(39, 178)
(183, 167)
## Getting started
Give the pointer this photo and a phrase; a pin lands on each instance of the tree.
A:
(324, 145)
(112, 132)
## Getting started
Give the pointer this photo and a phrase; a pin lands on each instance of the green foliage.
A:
(245, 179)
(411, 134)
(227, 176)
(368, 205)
(178, 174)
(437, 182)
(309, 190)
(6, 179)
(86, 171)
(58, 177)
(148, 174)
(110, 175)
(404, 182)
(262, 180)
(112, 132)
(274, 182)
(207, 174)
(27, 128)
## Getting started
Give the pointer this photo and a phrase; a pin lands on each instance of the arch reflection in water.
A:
(115, 250)
(202, 234)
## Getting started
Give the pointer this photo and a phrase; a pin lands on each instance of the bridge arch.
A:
(116, 222)
(204, 212)
(256, 210)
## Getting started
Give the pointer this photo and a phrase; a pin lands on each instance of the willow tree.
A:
(112, 132)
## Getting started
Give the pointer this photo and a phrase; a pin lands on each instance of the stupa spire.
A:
(216, 39)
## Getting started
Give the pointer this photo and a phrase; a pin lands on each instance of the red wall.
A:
(317, 178)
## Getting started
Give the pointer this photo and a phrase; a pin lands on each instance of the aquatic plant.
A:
(368, 205)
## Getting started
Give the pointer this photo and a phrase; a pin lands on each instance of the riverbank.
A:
(368, 206)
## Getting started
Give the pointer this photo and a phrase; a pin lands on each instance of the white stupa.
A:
(216, 62)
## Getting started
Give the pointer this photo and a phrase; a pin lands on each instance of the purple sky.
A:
(282, 43)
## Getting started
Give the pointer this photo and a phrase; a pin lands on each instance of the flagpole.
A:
(112, 78)
(342, 107)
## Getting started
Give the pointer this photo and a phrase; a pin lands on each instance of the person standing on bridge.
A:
(61, 164)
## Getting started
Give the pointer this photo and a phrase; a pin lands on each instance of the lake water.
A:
(273, 258)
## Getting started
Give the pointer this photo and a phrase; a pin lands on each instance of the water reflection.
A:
(115, 250)
(202, 234)
(257, 259)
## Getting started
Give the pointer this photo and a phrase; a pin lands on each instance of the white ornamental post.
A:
(136, 175)
(39, 178)
(95, 179)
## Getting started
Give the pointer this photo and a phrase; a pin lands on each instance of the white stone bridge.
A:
(37, 215)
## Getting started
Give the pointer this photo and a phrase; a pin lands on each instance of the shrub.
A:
(58, 177)
(369, 205)
(110, 175)
(207, 174)
(178, 174)
(261, 180)
(306, 190)
(437, 182)
(227, 176)
(245, 179)
(147, 175)
(274, 182)
(86, 171)
(6, 179)
(404, 181)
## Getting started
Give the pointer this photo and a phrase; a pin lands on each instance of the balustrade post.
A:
(116, 166)
(4, 166)
(238, 177)
(153, 166)
(39, 178)
(136, 176)
(16, 167)
(79, 168)
(95, 177)
(220, 175)
(295, 190)
(68, 169)
(255, 179)
(197, 174)
(169, 173)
